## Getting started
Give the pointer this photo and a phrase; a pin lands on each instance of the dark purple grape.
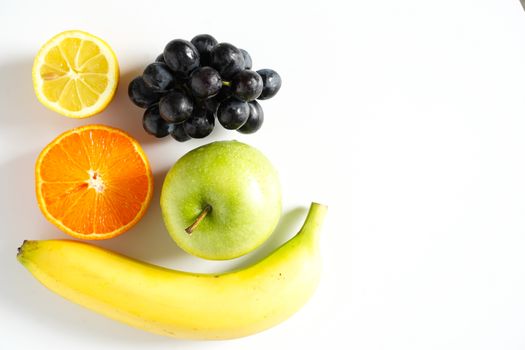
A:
(271, 83)
(183, 85)
(233, 113)
(154, 124)
(247, 59)
(204, 43)
(255, 119)
(160, 58)
(179, 134)
(227, 59)
(158, 76)
(225, 92)
(175, 107)
(205, 82)
(212, 105)
(200, 124)
(247, 85)
(181, 56)
(142, 95)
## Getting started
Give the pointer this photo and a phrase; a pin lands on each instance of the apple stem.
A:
(197, 221)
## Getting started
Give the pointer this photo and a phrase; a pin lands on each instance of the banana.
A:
(181, 304)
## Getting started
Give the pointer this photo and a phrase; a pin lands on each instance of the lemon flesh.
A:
(75, 74)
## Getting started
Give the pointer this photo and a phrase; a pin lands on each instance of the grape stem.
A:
(226, 83)
(199, 218)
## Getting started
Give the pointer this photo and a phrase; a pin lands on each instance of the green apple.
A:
(221, 200)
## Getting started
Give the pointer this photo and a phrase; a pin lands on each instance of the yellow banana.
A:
(181, 304)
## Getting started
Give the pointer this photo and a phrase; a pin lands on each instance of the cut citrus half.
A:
(93, 182)
(75, 74)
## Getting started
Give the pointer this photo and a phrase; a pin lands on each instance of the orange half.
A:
(93, 182)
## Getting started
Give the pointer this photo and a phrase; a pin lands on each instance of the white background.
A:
(406, 117)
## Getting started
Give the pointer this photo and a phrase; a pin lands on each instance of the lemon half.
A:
(75, 74)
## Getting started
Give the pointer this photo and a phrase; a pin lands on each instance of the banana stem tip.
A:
(19, 249)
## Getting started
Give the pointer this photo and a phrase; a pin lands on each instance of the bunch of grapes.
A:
(193, 83)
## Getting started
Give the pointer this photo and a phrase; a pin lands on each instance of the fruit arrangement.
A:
(193, 83)
(218, 201)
